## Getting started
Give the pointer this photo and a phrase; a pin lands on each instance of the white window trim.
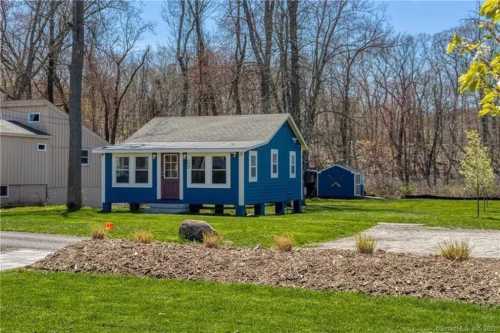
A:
(208, 171)
(293, 156)
(33, 121)
(88, 157)
(41, 144)
(7, 195)
(131, 170)
(275, 151)
(250, 155)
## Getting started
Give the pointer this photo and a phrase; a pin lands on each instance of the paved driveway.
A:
(421, 240)
(18, 249)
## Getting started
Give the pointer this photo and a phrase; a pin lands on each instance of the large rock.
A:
(193, 230)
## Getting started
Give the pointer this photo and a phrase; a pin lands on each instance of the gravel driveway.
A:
(421, 240)
(18, 249)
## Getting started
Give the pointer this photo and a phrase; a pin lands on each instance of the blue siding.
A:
(129, 194)
(283, 188)
(335, 182)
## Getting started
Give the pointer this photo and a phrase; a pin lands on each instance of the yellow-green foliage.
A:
(98, 233)
(212, 240)
(483, 73)
(142, 236)
(284, 242)
(476, 167)
(365, 244)
(455, 250)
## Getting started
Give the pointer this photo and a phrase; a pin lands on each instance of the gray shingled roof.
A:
(206, 132)
(16, 128)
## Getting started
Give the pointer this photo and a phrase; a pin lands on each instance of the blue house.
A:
(186, 162)
(338, 181)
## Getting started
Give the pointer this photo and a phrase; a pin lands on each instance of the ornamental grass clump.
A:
(283, 242)
(365, 244)
(212, 240)
(455, 250)
(98, 233)
(142, 236)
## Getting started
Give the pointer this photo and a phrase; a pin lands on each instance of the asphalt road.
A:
(18, 249)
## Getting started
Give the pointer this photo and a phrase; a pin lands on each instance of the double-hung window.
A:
(198, 175)
(133, 171)
(141, 170)
(252, 166)
(219, 170)
(4, 191)
(293, 164)
(122, 170)
(211, 171)
(274, 163)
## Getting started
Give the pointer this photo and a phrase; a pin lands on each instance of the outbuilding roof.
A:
(16, 128)
(214, 133)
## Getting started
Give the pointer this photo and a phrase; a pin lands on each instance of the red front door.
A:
(170, 176)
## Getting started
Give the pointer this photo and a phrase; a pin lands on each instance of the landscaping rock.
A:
(475, 280)
(193, 230)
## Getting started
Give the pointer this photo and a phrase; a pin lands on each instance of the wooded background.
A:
(363, 95)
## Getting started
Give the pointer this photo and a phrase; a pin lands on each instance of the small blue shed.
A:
(182, 163)
(338, 181)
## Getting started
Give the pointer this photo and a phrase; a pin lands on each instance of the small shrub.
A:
(142, 236)
(407, 189)
(455, 250)
(212, 240)
(98, 233)
(283, 242)
(365, 244)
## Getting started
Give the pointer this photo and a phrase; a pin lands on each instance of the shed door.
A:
(170, 176)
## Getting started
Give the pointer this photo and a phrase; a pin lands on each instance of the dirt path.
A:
(421, 240)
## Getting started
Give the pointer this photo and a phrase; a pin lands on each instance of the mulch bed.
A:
(474, 280)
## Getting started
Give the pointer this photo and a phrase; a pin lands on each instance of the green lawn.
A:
(65, 302)
(323, 220)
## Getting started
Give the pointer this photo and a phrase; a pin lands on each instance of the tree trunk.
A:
(74, 196)
(294, 62)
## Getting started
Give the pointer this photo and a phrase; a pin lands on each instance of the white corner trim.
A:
(241, 178)
(252, 153)
(301, 174)
(158, 175)
(181, 176)
(275, 175)
(103, 178)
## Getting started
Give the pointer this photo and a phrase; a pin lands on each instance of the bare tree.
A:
(74, 195)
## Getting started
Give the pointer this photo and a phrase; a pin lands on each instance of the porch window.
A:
(122, 170)
(198, 170)
(293, 164)
(209, 171)
(274, 163)
(219, 170)
(252, 166)
(141, 170)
